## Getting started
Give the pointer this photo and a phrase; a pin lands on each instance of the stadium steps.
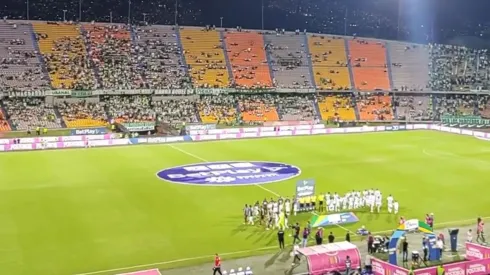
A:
(388, 63)
(132, 34)
(182, 55)
(60, 117)
(356, 110)
(316, 108)
(349, 63)
(88, 46)
(395, 110)
(39, 55)
(227, 58)
(268, 56)
(279, 111)
(310, 65)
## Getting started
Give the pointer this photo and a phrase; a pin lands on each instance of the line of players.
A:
(275, 213)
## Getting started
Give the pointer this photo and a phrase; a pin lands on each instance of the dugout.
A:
(330, 257)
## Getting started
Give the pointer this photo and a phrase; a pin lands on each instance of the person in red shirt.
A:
(217, 265)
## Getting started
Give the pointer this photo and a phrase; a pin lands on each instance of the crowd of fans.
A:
(176, 111)
(160, 55)
(114, 57)
(130, 108)
(455, 105)
(375, 106)
(221, 108)
(20, 69)
(83, 111)
(413, 107)
(454, 68)
(30, 113)
(297, 108)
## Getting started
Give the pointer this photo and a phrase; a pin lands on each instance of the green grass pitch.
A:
(85, 210)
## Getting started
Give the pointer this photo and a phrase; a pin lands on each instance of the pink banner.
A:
(426, 271)
(455, 268)
(478, 267)
(477, 252)
(383, 268)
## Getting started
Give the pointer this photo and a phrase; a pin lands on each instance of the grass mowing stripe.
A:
(203, 159)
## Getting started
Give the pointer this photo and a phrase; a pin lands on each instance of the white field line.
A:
(202, 159)
(236, 252)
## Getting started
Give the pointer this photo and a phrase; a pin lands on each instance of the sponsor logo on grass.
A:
(230, 173)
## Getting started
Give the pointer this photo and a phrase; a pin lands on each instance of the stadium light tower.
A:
(27, 9)
(80, 10)
(221, 22)
(262, 14)
(110, 17)
(64, 15)
(144, 17)
(176, 11)
(129, 12)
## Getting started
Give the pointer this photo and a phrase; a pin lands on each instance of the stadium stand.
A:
(455, 105)
(248, 59)
(413, 107)
(176, 111)
(374, 107)
(456, 68)
(296, 107)
(408, 66)
(258, 108)
(329, 61)
(110, 50)
(4, 125)
(289, 60)
(369, 66)
(65, 55)
(30, 112)
(204, 54)
(83, 114)
(159, 53)
(337, 106)
(20, 66)
(484, 106)
(124, 109)
(216, 109)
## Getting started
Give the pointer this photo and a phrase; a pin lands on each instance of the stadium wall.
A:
(41, 143)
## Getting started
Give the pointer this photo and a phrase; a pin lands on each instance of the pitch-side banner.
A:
(305, 188)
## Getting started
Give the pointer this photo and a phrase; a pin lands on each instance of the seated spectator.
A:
(125, 109)
(83, 114)
(218, 109)
(176, 111)
(31, 112)
(297, 107)
(414, 107)
(455, 105)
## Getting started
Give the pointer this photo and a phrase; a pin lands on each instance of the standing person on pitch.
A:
(217, 265)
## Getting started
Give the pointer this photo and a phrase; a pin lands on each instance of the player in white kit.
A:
(295, 206)
(396, 206)
(389, 201)
(287, 206)
(379, 202)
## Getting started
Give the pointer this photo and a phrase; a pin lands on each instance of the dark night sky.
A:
(420, 20)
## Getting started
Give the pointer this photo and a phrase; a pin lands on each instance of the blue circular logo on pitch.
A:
(230, 173)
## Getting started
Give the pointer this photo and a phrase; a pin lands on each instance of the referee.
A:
(217, 265)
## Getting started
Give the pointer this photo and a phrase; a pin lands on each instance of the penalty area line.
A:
(233, 253)
(203, 159)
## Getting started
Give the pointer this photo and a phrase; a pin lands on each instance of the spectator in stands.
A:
(31, 112)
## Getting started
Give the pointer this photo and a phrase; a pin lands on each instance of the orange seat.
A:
(258, 111)
(375, 108)
(368, 61)
(248, 59)
(336, 106)
(206, 58)
(4, 125)
(329, 61)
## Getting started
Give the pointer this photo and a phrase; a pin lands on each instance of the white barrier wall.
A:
(38, 143)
